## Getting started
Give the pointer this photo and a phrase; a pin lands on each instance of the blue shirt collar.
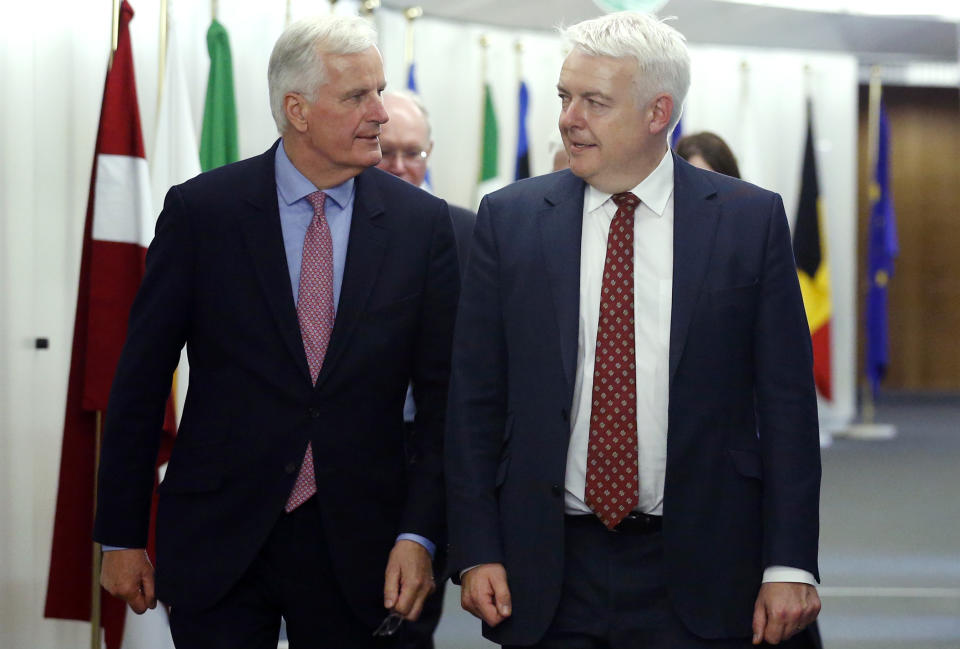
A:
(293, 186)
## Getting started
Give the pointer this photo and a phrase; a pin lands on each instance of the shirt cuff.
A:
(416, 538)
(787, 574)
(111, 548)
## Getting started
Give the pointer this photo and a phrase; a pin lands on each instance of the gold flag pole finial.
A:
(369, 7)
(333, 5)
(286, 15)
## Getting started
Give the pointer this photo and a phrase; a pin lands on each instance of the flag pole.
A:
(518, 48)
(868, 428)
(95, 613)
(162, 54)
(484, 44)
(873, 142)
(411, 14)
(114, 32)
(286, 15)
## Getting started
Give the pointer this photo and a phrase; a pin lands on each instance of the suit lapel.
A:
(695, 217)
(561, 224)
(261, 229)
(365, 251)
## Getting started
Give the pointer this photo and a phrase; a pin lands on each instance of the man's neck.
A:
(322, 176)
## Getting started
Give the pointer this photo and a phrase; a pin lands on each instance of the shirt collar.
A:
(293, 186)
(654, 190)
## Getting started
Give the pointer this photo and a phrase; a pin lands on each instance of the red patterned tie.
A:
(315, 313)
(612, 489)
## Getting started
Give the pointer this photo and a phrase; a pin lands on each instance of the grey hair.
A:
(663, 62)
(296, 63)
(417, 101)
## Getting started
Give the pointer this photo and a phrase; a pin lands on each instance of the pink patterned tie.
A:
(612, 489)
(315, 313)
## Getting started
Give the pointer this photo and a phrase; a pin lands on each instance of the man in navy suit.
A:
(632, 456)
(310, 289)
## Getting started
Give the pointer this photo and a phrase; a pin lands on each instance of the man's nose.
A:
(572, 115)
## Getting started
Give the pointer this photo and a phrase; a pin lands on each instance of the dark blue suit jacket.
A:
(743, 463)
(217, 280)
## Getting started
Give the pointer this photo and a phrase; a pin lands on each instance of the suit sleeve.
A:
(478, 403)
(156, 332)
(424, 511)
(786, 408)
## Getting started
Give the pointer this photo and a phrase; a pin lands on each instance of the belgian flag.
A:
(810, 252)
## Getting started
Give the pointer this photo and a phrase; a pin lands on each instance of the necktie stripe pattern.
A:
(316, 314)
(612, 486)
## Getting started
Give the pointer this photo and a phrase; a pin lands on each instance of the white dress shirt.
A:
(652, 303)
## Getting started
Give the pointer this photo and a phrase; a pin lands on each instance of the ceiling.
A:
(873, 40)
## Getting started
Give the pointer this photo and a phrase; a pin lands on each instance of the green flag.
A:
(218, 138)
(488, 153)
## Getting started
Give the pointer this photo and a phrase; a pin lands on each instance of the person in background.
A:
(708, 151)
(406, 145)
(632, 452)
(288, 494)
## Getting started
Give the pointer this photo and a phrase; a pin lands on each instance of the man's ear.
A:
(297, 109)
(661, 108)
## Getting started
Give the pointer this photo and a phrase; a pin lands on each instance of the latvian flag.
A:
(119, 224)
(810, 251)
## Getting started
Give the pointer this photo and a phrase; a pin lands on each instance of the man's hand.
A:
(783, 609)
(128, 574)
(484, 592)
(408, 579)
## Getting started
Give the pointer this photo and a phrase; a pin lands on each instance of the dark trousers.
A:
(614, 595)
(292, 577)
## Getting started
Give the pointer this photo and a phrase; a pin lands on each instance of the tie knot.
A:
(317, 199)
(626, 201)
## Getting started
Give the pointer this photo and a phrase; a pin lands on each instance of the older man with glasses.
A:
(406, 146)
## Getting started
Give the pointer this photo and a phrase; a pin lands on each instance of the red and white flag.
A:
(119, 225)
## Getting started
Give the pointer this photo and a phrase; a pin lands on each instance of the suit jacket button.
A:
(290, 467)
(556, 490)
(314, 413)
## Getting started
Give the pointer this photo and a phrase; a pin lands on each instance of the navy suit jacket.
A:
(743, 463)
(217, 280)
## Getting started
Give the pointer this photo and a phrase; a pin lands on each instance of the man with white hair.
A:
(310, 290)
(632, 453)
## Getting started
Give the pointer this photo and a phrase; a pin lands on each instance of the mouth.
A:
(579, 147)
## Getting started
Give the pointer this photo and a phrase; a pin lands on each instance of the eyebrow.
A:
(592, 94)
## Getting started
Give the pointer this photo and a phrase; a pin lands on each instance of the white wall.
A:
(52, 65)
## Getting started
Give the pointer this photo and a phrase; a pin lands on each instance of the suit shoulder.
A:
(395, 189)
(225, 178)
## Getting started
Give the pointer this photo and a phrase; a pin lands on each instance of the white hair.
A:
(416, 100)
(296, 63)
(663, 62)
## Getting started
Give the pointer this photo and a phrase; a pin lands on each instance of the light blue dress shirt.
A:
(296, 212)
